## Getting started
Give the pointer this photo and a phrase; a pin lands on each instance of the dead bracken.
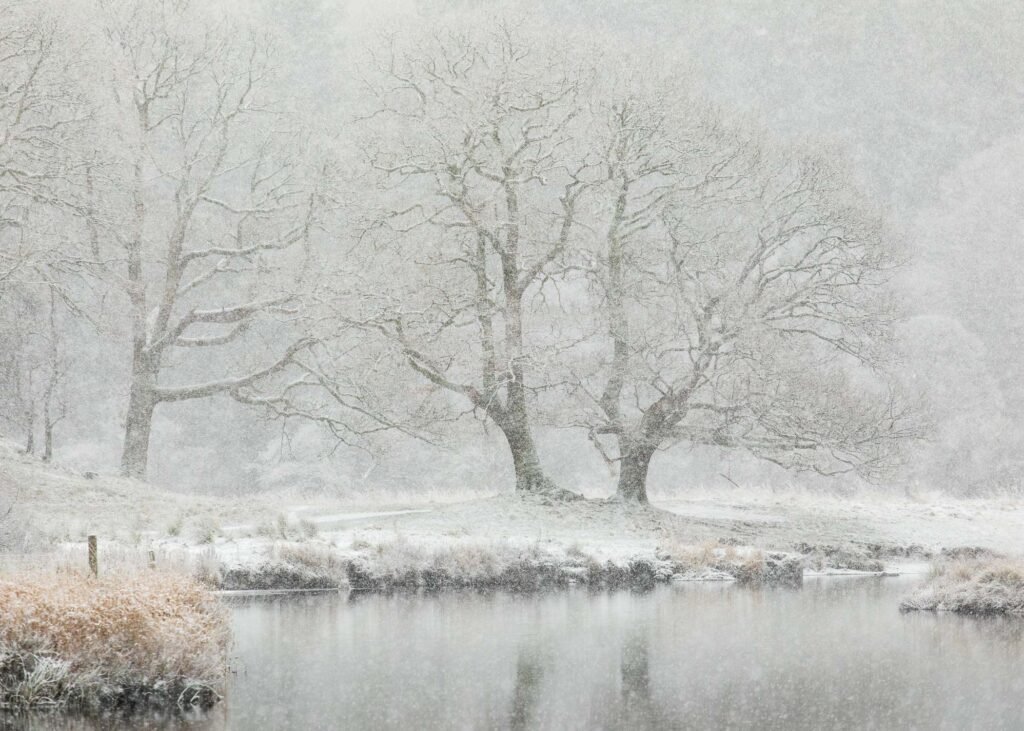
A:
(147, 639)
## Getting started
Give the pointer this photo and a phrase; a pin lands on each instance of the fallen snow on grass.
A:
(978, 586)
(866, 532)
(303, 513)
(348, 517)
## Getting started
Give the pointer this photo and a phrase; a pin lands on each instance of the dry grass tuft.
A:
(714, 560)
(121, 640)
(978, 586)
(698, 560)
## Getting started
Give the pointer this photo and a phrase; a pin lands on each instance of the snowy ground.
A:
(61, 508)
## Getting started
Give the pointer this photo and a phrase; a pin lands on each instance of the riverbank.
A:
(291, 540)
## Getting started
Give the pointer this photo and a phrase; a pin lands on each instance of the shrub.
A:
(827, 557)
(174, 529)
(205, 530)
(150, 637)
(309, 528)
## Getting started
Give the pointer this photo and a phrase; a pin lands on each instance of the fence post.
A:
(94, 564)
(152, 559)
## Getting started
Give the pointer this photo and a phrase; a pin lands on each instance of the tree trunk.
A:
(138, 422)
(139, 419)
(636, 460)
(51, 384)
(30, 439)
(47, 440)
(530, 475)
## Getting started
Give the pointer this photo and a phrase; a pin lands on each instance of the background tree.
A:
(33, 369)
(43, 121)
(219, 205)
(743, 296)
(478, 143)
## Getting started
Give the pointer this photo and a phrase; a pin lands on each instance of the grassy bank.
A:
(152, 638)
(393, 561)
(287, 567)
(401, 564)
(992, 585)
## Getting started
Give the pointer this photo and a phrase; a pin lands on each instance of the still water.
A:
(836, 653)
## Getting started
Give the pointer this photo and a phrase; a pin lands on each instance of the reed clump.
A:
(149, 638)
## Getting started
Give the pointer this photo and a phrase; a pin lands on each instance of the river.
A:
(836, 653)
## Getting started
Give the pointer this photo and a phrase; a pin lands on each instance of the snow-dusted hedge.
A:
(981, 586)
(147, 638)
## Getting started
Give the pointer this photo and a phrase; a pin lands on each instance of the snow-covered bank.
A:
(504, 564)
(289, 540)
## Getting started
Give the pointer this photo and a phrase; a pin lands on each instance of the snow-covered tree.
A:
(218, 204)
(479, 150)
(43, 124)
(742, 294)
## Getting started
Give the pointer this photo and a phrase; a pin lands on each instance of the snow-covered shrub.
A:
(152, 636)
(205, 530)
(982, 586)
(697, 560)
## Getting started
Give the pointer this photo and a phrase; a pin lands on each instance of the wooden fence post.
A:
(94, 563)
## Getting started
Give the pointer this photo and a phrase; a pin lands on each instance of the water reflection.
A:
(529, 673)
(835, 654)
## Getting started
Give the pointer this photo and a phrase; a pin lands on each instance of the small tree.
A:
(33, 369)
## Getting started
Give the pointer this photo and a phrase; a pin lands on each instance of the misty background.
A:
(924, 101)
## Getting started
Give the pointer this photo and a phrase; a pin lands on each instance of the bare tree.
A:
(54, 402)
(33, 369)
(43, 117)
(219, 206)
(743, 298)
(477, 140)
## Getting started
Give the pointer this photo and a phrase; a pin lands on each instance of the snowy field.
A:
(54, 508)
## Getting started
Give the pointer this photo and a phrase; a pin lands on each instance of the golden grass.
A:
(126, 638)
(708, 555)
